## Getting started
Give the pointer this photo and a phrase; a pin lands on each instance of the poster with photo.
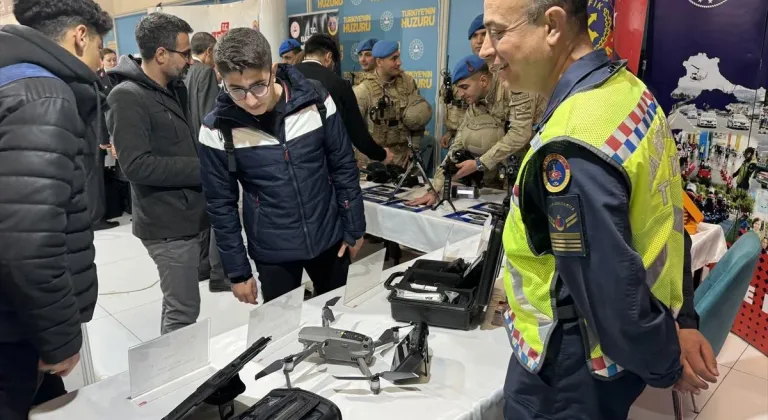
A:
(471, 217)
(489, 208)
(303, 26)
(403, 205)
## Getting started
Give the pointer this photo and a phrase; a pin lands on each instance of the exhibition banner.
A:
(413, 24)
(303, 26)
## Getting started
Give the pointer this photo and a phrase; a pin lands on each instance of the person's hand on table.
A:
(61, 369)
(466, 168)
(353, 250)
(246, 292)
(699, 363)
(428, 199)
(445, 140)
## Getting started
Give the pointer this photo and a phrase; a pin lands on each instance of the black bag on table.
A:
(292, 404)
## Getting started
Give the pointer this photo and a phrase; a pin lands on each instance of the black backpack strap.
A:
(229, 148)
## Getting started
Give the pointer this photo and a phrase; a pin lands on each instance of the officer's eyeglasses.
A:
(497, 35)
(258, 90)
(186, 54)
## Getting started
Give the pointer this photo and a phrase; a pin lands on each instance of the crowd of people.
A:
(213, 138)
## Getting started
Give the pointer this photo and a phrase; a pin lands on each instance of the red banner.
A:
(751, 323)
(629, 29)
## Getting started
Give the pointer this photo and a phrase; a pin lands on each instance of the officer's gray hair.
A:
(576, 9)
(241, 49)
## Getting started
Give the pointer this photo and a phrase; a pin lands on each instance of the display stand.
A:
(167, 363)
(278, 318)
(86, 359)
(364, 275)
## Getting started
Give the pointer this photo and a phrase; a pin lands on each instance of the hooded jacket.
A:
(48, 282)
(301, 186)
(157, 150)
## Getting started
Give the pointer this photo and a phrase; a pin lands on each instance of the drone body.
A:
(338, 345)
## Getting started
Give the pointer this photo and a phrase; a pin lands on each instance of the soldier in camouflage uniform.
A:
(496, 125)
(454, 111)
(390, 101)
(365, 57)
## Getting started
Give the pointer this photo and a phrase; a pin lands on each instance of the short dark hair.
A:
(201, 42)
(159, 30)
(322, 43)
(54, 17)
(105, 51)
(241, 49)
(577, 10)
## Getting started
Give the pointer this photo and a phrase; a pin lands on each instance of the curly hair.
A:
(54, 17)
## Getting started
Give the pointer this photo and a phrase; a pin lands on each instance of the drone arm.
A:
(364, 367)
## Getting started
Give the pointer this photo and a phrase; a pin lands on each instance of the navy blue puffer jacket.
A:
(301, 191)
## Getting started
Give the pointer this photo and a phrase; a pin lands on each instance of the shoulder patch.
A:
(556, 172)
(566, 226)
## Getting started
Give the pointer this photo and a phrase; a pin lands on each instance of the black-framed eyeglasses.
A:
(258, 90)
(186, 54)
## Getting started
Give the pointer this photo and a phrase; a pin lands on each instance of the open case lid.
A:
(493, 257)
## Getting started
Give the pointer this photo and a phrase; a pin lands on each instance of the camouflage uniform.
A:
(454, 112)
(406, 114)
(495, 128)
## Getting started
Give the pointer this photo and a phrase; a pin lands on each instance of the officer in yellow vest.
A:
(366, 60)
(455, 111)
(594, 239)
(392, 104)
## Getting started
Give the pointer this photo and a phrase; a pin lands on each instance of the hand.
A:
(390, 156)
(699, 364)
(104, 146)
(466, 168)
(445, 140)
(428, 199)
(62, 369)
(246, 292)
(352, 250)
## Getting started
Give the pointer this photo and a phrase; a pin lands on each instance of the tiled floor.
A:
(128, 313)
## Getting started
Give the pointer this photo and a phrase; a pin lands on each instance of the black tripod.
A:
(417, 163)
(450, 169)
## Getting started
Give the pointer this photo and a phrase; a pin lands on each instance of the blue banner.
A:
(707, 75)
(415, 28)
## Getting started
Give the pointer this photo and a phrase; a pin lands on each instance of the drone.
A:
(341, 346)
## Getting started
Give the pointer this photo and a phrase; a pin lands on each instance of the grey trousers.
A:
(177, 262)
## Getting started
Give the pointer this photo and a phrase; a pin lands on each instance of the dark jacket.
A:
(157, 151)
(301, 187)
(48, 282)
(346, 103)
(203, 89)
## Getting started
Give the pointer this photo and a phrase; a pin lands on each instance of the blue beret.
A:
(289, 45)
(476, 25)
(384, 49)
(367, 45)
(468, 66)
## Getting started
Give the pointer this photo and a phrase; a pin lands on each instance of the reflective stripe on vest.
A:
(632, 133)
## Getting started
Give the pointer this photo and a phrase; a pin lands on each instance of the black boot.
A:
(104, 224)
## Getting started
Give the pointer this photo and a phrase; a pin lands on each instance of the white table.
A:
(708, 245)
(425, 231)
(467, 375)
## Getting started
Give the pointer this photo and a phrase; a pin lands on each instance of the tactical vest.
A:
(620, 121)
(387, 124)
(744, 172)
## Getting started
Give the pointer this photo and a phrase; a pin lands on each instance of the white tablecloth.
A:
(708, 245)
(467, 374)
(425, 231)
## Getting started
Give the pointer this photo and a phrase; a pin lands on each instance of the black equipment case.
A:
(473, 282)
(292, 404)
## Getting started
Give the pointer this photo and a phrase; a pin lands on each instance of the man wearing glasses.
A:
(280, 137)
(157, 150)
